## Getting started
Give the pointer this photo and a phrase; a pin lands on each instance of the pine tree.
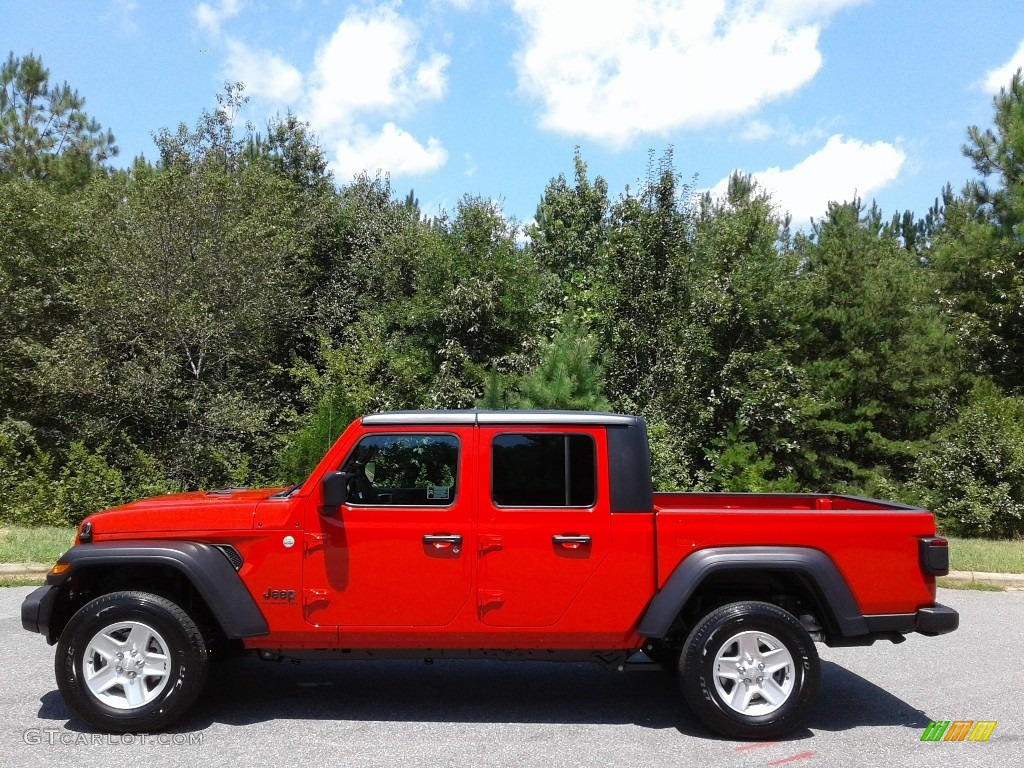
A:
(44, 130)
(568, 376)
(978, 251)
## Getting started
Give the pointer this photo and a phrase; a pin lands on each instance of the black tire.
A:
(160, 673)
(750, 671)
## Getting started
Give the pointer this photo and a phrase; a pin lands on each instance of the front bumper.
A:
(37, 610)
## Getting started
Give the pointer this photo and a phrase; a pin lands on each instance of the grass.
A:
(985, 556)
(977, 586)
(23, 544)
(20, 581)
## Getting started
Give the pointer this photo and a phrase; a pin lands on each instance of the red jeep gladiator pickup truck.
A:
(487, 534)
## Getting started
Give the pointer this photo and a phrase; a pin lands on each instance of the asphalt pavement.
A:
(875, 703)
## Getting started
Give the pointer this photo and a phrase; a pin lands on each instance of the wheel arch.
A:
(183, 570)
(805, 572)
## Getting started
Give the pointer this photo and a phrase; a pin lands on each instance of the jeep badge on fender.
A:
(287, 595)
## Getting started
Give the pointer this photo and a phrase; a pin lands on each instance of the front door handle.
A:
(571, 540)
(451, 541)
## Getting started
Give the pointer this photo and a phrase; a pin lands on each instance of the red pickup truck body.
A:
(523, 535)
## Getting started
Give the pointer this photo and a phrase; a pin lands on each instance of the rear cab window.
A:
(530, 469)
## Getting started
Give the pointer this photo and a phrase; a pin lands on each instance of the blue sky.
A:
(819, 99)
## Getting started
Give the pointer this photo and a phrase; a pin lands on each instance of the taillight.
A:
(933, 554)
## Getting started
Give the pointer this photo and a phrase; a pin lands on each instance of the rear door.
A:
(399, 552)
(544, 523)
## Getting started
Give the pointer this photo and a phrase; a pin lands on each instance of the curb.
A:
(23, 570)
(1005, 580)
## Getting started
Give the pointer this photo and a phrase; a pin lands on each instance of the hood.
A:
(227, 510)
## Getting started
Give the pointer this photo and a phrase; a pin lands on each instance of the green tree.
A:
(972, 473)
(978, 250)
(568, 239)
(475, 303)
(45, 132)
(411, 314)
(188, 308)
(567, 377)
(642, 277)
(43, 245)
(695, 321)
(879, 366)
(739, 335)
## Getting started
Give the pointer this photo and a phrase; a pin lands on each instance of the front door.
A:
(399, 551)
(544, 523)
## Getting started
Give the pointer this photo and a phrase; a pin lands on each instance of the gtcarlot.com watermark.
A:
(52, 737)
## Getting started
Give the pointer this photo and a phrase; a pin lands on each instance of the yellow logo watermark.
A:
(958, 730)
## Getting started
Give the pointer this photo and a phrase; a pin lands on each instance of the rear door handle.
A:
(443, 540)
(571, 540)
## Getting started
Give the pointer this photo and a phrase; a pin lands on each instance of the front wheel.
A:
(750, 671)
(130, 661)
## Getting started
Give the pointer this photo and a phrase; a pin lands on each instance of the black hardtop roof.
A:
(534, 418)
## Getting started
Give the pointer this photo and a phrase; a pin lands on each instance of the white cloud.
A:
(759, 130)
(615, 71)
(841, 170)
(370, 68)
(265, 75)
(393, 149)
(121, 16)
(1000, 76)
(209, 18)
(368, 74)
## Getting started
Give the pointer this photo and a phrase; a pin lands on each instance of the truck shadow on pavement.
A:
(248, 692)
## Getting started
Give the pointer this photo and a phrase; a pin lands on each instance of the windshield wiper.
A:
(286, 492)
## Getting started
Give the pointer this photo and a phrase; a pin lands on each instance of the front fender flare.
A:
(811, 564)
(205, 567)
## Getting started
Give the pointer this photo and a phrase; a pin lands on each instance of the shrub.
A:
(972, 474)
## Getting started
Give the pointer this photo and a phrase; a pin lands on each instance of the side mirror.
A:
(335, 489)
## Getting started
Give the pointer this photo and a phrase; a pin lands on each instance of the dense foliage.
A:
(218, 316)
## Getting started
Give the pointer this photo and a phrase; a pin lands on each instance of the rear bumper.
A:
(931, 620)
(936, 619)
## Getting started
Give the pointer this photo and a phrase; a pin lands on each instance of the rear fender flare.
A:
(811, 564)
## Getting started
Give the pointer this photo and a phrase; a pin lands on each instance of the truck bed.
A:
(873, 543)
(775, 502)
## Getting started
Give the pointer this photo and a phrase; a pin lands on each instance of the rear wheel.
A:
(130, 661)
(750, 671)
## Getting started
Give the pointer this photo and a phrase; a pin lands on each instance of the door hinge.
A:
(490, 542)
(490, 597)
(314, 596)
(313, 541)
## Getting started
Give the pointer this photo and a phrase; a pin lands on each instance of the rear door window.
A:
(543, 470)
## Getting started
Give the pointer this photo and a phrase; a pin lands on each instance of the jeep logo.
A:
(286, 595)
